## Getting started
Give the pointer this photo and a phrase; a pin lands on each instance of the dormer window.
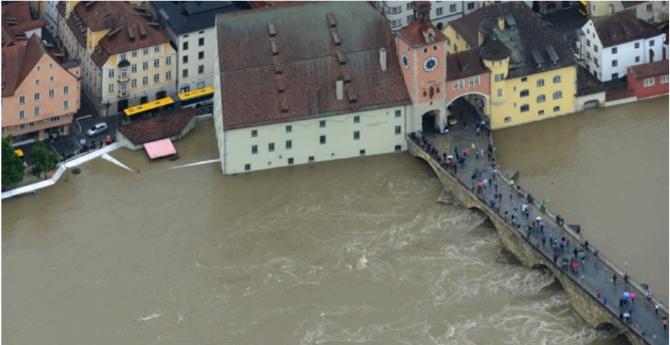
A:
(429, 36)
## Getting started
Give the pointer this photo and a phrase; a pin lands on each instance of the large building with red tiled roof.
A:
(19, 24)
(307, 83)
(127, 59)
(39, 94)
(648, 80)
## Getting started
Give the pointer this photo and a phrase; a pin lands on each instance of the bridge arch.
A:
(480, 101)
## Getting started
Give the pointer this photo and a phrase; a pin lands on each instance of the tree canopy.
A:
(12, 166)
(43, 159)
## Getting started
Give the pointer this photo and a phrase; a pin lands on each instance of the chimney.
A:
(382, 58)
(339, 89)
(501, 23)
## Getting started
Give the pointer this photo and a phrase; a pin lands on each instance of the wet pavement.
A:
(593, 274)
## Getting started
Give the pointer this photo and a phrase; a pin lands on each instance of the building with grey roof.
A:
(190, 26)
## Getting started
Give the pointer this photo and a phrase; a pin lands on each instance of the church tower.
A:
(422, 53)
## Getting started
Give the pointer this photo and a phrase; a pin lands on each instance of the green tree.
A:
(12, 166)
(43, 159)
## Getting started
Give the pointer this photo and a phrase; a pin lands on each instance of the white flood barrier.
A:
(196, 164)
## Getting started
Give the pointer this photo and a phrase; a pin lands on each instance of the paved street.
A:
(592, 273)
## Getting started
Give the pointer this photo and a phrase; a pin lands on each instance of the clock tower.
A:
(422, 53)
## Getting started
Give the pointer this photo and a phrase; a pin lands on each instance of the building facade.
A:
(126, 59)
(652, 12)
(300, 94)
(190, 26)
(401, 13)
(39, 94)
(648, 80)
(609, 45)
(533, 75)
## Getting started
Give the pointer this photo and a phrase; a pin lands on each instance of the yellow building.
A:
(533, 72)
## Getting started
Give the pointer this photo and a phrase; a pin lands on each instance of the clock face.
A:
(430, 64)
(405, 61)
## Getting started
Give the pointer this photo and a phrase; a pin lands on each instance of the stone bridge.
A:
(589, 288)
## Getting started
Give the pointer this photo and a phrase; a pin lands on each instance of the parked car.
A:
(96, 129)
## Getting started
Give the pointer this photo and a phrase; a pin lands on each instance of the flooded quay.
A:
(351, 251)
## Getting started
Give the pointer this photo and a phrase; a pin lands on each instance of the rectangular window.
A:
(22, 114)
(540, 112)
(398, 130)
(289, 129)
(651, 43)
(31, 125)
(37, 111)
(271, 147)
(398, 113)
(499, 77)
(524, 108)
(524, 79)
(110, 88)
(458, 84)
(168, 75)
(664, 79)
(595, 48)
(157, 63)
(201, 41)
(649, 82)
(201, 55)
(438, 11)
(322, 123)
(615, 75)
(184, 73)
(557, 108)
(290, 161)
(588, 43)
(540, 82)
(508, 119)
(289, 144)
(471, 5)
(357, 135)
(254, 149)
(614, 50)
(523, 93)
(145, 80)
(133, 83)
(66, 104)
(541, 98)
(133, 68)
(157, 49)
(254, 133)
(145, 66)
(184, 46)
(247, 167)
(310, 159)
(499, 92)
(398, 148)
(637, 45)
(51, 79)
(615, 63)
(322, 139)
(637, 59)
(134, 53)
(473, 82)
(157, 78)
(22, 100)
(558, 95)
(201, 69)
(52, 93)
(588, 55)
(168, 60)
(22, 126)
(361, 152)
(145, 51)
(357, 119)
(184, 59)
(452, 8)
(111, 73)
(557, 79)
(36, 96)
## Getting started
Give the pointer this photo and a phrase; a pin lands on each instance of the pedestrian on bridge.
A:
(633, 296)
(598, 294)
(614, 279)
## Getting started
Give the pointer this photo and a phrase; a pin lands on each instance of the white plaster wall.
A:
(376, 128)
(194, 79)
(626, 54)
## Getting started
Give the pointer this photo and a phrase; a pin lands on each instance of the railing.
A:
(632, 327)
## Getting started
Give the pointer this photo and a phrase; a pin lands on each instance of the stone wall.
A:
(591, 310)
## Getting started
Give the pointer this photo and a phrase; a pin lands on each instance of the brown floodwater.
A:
(351, 251)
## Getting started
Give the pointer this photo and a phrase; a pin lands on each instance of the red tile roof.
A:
(17, 62)
(413, 33)
(130, 28)
(650, 69)
(468, 27)
(16, 19)
(622, 27)
(160, 126)
(309, 62)
(464, 64)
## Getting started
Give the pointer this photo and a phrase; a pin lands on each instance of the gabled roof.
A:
(18, 61)
(129, 28)
(527, 38)
(188, 16)
(16, 19)
(622, 27)
(414, 33)
(162, 125)
(650, 69)
(314, 45)
(464, 64)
